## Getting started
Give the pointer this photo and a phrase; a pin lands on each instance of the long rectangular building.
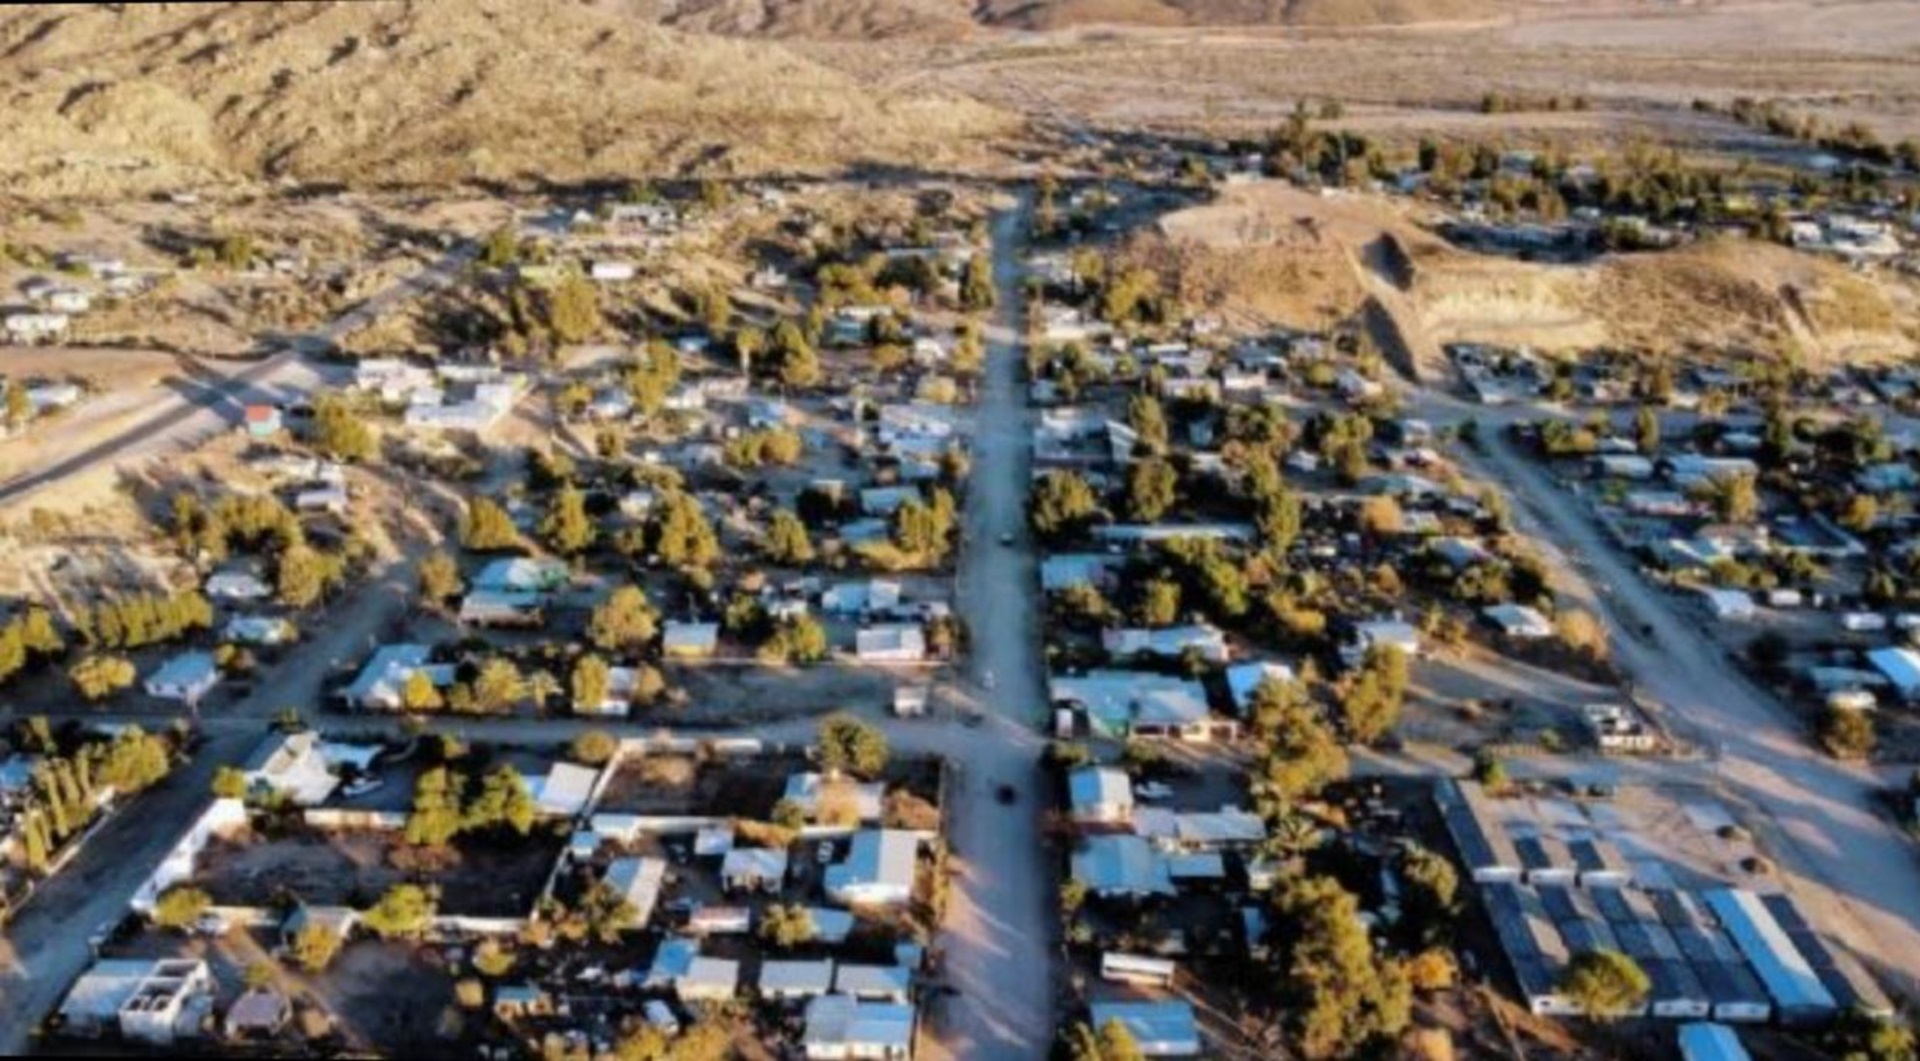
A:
(1796, 990)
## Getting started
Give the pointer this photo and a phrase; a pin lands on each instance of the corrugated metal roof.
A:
(1787, 976)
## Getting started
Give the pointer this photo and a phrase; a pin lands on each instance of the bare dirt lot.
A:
(476, 878)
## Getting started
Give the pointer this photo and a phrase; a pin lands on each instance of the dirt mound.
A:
(110, 99)
(1268, 252)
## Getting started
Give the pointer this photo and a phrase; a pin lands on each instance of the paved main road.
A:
(999, 928)
(1846, 856)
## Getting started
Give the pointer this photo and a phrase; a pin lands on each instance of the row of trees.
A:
(446, 804)
(66, 788)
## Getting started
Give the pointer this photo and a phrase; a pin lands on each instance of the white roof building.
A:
(1101, 794)
(753, 868)
(708, 980)
(290, 765)
(891, 643)
(1160, 1029)
(565, 789)
(236, 586)
(839, 1027)
(522, 574)
(1121, 865)
(795, 979)
(1244, 679)
(1518, 621)
(383, 680)
(638, 881)
(879, 869)
(186, 677)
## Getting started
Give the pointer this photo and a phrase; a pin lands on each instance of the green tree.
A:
(799, 639)
(1300, 757)
(1646, 430)
(1370, 705)
(1605, 984)
(436, 817)
(99, 676)
(439, 577)
(314, 947)
(786, 925)
(486, 527)
(1160, 602)
(573, 309)
(1433, 888)
(229, 782)
(1149, 421)
(180, 906)
(787, 543)
(607, 913)
(849, 744)
(1341, 999)
(1063, 504)
(1111, 1042)
(418, 693)
(19, 406)
(1152, 488)
(682, 536)
(624, 623)
(595, 747)
(796, 363)
(305, 575)
(1847, 732)
(339, 432)
(404, 912)
(498, 686)
(566, 528)
(503, 802)
(590, 682)
(976, 284)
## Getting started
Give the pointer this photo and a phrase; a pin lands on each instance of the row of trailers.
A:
(1721, 953)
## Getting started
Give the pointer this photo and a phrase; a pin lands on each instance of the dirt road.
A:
(1842, 855)
(999, 930)
(206, 398)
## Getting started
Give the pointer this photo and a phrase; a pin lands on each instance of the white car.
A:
(362, 786)
(661, 1017)
(211, 925)
(1153, 790)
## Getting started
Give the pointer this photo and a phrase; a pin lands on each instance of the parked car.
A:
(211, 925)
(661, 1016)
(363, 785)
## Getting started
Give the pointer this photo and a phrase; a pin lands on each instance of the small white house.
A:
(842, 1028)
(1734, 605)
(1100, 795)
(891, 643)
(290, 765)
(186, 677)
(35, 327)
(878, 870)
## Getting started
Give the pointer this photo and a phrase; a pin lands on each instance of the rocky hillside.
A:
(122, 97)
(1057, 14)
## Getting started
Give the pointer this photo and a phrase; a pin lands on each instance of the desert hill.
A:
(116, 98)
(1270, 253)
(1060, 14)
(830, 19)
